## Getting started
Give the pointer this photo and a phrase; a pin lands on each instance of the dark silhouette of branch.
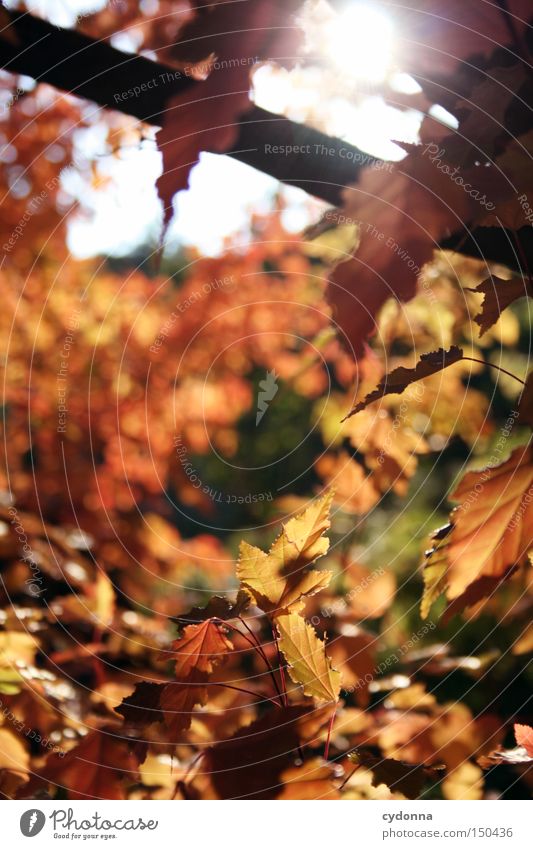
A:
(320, 165)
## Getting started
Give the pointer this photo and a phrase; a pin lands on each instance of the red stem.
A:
(259, 648)
(281, 667)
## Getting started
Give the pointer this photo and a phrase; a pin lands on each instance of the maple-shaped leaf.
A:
(497, 295)
(200, 647)
(524, 737)
(196, 653)
(400, 777)
(249, 764)
(172, 703)
(400, 378)
(99, 767)
(280, 580)
(180, 698)
(308, 663)
(490, 532)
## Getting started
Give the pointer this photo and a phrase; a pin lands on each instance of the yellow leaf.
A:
(464, 783)
(280, 580)
(306, 656)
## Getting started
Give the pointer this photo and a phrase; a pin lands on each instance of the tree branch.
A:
(321, 165)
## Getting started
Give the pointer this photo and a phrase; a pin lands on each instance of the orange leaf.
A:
(201, 647)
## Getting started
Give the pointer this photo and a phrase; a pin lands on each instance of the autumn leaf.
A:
(308, 663)
(280, 580)
(180, 698)
(143, 706)
(218, 607)
(201, 647)
(524, 737)
(400, 378)
(435, 569)
(490, 531)
(99, 767)
(402, 212)
(400, 777)
(482, 588)
(249, 764)
(497, 295)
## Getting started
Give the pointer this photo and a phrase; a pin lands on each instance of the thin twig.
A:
(243, 690)
(259, 648)
(493, 365)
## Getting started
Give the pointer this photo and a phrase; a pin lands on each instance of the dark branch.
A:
(94, 70)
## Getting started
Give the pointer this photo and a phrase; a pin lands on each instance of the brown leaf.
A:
(400, 777)
(497, 295)
(400, 378)
(143, 706)
(218, 607)
(178, 700)
(250, 763)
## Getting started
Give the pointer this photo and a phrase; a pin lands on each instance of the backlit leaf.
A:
(307, 660)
